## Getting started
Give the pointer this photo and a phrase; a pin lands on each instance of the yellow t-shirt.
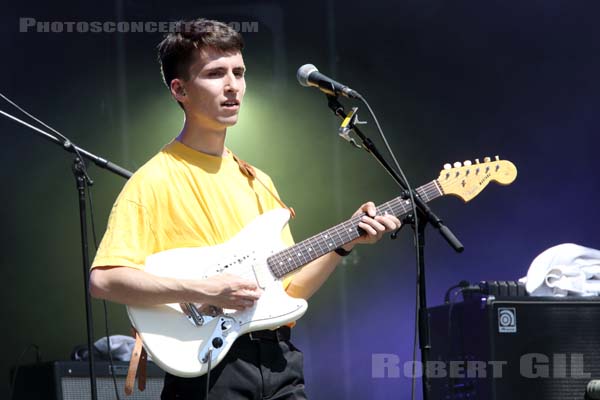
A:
(182, 198)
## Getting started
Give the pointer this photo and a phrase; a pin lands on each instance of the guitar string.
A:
(427, 192)
(282, 266)
(290, 259)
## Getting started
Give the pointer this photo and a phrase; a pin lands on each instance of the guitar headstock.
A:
(466, 180)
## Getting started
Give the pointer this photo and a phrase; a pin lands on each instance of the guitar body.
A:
(180, 346)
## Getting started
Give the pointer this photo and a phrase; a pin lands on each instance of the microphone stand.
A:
(82, 180)
(425, 215)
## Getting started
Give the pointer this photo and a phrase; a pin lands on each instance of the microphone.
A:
(309, 75)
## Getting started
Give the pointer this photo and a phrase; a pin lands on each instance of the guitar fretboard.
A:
(300, 254)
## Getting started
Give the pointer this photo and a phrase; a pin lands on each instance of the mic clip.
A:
(348, 125)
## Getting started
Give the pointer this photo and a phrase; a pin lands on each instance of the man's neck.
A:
(208, 141)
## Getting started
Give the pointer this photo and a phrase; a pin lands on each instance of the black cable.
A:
(209, 356)
(456, 345)
(110, 358)
(105, 307)
(13, 381)
(417, 241)
(450, 301)
(92, 223)
(461, 284)
(416, 335)
(87, 181)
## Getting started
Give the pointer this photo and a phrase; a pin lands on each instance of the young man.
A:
(193, 193)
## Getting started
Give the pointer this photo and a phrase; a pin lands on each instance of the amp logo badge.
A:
(507, 320)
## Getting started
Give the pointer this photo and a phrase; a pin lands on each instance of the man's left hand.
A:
(373, 225)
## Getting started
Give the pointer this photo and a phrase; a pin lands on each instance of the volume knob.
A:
(217, 342)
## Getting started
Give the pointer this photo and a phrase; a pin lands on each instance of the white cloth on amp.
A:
(564, 270)
(121, 347)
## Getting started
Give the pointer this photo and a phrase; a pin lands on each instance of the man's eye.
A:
(239, 74)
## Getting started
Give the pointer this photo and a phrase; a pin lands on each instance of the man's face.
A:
(215, 89)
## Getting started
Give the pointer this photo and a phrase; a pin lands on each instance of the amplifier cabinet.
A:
(514, 348)
(69, 380)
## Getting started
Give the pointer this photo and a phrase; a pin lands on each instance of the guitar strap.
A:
(139, 356)
(138, 360)
(249, 172)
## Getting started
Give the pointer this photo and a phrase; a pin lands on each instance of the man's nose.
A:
(231, 83)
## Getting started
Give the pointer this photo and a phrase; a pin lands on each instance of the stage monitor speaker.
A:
(514, 348)
(69, 380)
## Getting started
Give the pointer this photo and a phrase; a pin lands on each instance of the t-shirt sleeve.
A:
(129, 236)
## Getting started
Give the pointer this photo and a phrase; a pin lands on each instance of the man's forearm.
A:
(135, 287)
(139, 288)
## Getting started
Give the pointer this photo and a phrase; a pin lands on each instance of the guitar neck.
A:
(294, 257)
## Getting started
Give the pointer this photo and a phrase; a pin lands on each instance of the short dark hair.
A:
(178, 49)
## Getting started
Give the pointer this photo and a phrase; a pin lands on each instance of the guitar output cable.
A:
(209, 356)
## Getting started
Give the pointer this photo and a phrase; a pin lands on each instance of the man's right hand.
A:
(225, 291)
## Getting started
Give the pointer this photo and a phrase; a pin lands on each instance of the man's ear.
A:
(178, 90)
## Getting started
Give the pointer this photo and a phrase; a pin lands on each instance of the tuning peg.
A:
(447, 166)
(477, 161)
(487, 159)
(467, 163)
(497, 158)
(457, 164)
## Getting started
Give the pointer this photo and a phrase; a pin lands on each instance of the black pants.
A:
(252, 369)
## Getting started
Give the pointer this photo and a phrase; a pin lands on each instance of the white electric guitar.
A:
(178, 337)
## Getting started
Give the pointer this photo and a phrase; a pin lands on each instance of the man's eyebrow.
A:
(219, 69)
(215, 69)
